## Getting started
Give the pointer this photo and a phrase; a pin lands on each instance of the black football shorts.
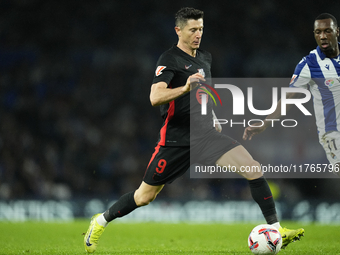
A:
(169, 162)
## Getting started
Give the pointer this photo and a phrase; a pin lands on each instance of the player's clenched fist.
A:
(255, 129)
(193, 81)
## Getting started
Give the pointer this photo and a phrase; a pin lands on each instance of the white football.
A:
(265, 239)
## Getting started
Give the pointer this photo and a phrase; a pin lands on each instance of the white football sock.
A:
(277, 225)
(101, 220)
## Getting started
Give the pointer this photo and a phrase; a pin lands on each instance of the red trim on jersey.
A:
(171, 112)
(154, 154)
(152, 158)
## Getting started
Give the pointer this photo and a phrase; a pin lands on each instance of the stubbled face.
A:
(326, 36)
(191, 34)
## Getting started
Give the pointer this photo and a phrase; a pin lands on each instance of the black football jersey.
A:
(174, 67)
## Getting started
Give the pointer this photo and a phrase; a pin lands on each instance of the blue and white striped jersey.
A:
(321, 74)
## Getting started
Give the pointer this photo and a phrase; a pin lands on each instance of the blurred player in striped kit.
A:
(320, 71)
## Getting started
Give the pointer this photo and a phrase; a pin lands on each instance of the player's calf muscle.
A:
(251, 170)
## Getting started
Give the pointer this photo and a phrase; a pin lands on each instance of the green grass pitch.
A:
(155, 238)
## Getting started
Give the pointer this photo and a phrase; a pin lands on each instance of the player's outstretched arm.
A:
(161, 94)
(259, 127)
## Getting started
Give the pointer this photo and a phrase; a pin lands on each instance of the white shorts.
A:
(331, 144)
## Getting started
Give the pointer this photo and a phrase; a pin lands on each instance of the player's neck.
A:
(188, 50)
(337, 51)
(333, 54)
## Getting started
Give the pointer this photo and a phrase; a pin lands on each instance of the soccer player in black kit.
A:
(179, 70)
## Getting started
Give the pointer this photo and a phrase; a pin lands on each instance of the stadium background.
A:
(76, 123)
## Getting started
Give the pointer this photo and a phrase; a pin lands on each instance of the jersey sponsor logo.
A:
(187, 67)
(159, 70)
(201, 71)
(329, 83)
(293, 78)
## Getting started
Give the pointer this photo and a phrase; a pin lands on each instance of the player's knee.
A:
(252, 170)
(145, 199)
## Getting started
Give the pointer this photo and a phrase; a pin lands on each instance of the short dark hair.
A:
(186, 13)
(327, 16)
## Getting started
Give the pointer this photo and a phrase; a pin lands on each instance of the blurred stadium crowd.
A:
(75, 76)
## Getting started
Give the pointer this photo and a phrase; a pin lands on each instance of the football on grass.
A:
(265, 239)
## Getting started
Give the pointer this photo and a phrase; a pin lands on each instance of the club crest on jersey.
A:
(159, 70)
(329, 83)
(293, 78)
(201, 71)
